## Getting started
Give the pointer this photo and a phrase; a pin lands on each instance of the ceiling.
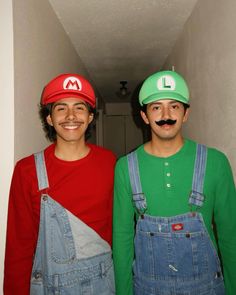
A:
(123, 40)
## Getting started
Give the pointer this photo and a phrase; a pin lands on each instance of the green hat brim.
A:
(164, 96)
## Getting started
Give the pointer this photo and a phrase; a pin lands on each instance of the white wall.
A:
(6, 117)
(42, 51)
(206, 55)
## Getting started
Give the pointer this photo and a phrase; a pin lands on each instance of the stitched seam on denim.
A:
(41, 170)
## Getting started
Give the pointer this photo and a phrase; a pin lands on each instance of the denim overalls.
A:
(174, 255)
(71, 258)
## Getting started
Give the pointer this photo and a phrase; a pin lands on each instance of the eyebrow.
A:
(65, 104)
(160, 103)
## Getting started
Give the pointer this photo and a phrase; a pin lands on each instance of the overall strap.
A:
(138, 196)
(196, 195)
(41, 170)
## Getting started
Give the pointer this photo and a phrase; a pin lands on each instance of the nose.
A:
(70, 114)
(166, 113)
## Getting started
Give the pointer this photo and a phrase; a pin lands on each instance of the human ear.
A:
(186, 115)
(49, 120)
(91, 116)
(144, 117)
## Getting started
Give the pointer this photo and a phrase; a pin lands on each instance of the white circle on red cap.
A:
(72, 83)
(166, 83)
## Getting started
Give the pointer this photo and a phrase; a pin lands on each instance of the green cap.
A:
(164, 85)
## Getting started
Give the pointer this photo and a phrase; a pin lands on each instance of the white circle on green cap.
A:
(166, 83)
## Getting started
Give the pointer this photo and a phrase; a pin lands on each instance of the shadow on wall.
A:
(136, 114)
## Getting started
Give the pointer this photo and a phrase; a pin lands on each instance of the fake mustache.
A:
(168, 122)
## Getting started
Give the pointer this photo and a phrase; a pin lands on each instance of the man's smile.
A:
(71, 126)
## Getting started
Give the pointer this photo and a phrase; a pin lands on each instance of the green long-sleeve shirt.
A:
(166, 183)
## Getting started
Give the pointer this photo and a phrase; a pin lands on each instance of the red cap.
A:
(68, 85)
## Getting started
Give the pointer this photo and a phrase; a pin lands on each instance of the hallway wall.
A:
(42, 50)
(6, 117)
(206, 55)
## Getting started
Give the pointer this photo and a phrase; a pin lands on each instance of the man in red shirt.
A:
(60, 203)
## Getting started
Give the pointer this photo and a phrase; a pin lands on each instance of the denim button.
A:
(45, 198)
(37, 275)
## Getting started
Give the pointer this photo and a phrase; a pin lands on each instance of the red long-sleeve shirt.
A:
(84, 187)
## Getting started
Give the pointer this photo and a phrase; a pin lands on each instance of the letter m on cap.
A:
(72, 83)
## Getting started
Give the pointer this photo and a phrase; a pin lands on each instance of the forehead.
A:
(70, 100)
(165, 102)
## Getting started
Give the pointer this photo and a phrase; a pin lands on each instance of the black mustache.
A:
(168, 122)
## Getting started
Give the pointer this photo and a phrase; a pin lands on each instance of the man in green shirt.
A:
(174, 205)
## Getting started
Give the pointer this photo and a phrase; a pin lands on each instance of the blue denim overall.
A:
(71, 258)
(174, 255)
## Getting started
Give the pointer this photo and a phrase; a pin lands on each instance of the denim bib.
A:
(174, 255)
(70, 258)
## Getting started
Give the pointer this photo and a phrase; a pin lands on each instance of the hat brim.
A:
(60, 95)
(164, 96)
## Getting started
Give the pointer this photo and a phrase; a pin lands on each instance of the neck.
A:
(164, 148)
(71, 151)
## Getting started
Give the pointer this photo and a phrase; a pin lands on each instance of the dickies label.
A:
(177, 226)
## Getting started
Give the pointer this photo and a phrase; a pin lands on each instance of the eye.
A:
(60, 108)
(156, 107)
(81, 107)
(175, 106)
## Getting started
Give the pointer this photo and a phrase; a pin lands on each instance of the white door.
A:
(120, 134)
